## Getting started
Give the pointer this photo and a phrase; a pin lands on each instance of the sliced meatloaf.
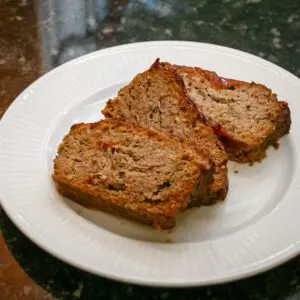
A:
(156, 99)
(136, 173)
(246, 116)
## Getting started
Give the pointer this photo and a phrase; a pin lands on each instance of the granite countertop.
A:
(36, 36)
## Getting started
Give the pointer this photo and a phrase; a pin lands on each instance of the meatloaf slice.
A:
(140, 174)
(246, 116)
(156, 99)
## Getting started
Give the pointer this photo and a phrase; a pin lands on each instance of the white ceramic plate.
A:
(257, 227)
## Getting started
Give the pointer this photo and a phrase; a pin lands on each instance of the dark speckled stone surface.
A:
(66, 282)
(267, 28)
(270, 29)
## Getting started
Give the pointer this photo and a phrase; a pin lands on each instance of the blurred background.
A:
(71, 28)
(36, 36)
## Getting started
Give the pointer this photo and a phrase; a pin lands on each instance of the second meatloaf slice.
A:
(140, 174)
(156, 99)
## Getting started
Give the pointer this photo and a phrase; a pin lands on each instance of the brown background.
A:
(20, 65)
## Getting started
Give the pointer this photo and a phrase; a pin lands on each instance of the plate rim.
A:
(292, 252)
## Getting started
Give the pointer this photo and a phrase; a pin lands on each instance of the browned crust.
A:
(83, 198)
(236, 149)
(217, 81)
(219, 188)
(164, 216)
